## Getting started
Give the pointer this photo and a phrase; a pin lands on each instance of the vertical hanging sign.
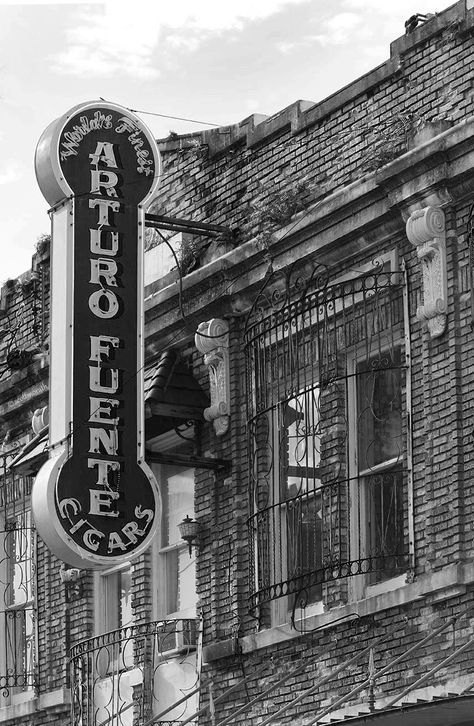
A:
(95, 499)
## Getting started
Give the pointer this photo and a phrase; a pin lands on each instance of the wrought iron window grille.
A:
(327, 431)
(18, 647)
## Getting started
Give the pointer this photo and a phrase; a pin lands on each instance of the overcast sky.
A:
(215, 61)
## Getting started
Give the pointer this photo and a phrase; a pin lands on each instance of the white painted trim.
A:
(61, 334)
(100, 614)
(358, 585)
(31, 705)
(394, 583)
(159, 575)
(48, 166)
(441, 582)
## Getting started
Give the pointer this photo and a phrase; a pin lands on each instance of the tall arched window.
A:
(326, 375)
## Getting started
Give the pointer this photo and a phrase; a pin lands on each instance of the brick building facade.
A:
(323, 443)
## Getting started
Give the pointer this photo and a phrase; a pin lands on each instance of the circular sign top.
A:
(97, 133)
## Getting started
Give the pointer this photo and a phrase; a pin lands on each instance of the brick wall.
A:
(332, 149)
(425, 89)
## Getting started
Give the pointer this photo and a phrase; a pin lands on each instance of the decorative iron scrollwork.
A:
(18, 568)
(126, 672)
(325, 372)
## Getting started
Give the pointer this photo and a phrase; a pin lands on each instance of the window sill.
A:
(390, 585)
(283, 617)
(442, 584)
(30, 704)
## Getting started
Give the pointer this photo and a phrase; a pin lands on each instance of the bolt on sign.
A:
(95, 500)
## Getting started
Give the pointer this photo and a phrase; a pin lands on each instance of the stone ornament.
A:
(212, 339)
(426, 230)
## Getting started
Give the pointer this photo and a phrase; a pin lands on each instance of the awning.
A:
(32, 455)
(172, 395)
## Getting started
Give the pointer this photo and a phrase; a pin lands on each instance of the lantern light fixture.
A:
(189, 530)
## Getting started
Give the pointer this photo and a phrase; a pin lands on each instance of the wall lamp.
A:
(189, 530)
(71, 579)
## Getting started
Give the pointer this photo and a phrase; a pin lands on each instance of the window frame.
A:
(102, 606)
(161, 554)
(360, 586)
(281, 608)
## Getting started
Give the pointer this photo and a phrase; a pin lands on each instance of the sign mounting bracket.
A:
(176, 224)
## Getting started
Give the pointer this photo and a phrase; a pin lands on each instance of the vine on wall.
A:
(272, 208)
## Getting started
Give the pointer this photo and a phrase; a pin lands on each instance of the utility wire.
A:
(176, 118)
(165, 115)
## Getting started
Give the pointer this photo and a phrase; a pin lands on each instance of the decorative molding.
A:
(426, 230)
(212, 340)
(40, 419)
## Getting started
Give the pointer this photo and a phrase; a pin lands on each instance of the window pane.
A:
(186, 595)
(117, 602)
(380, 450)
(304, 532)
(180, 580)
(19, 645)
(171, 584)
(126, 612)
(379, 406)
(178, 502)
(385, 519)
(179, 590)
(19, 631)
(20, 538)
(300, 443)
(300, 483)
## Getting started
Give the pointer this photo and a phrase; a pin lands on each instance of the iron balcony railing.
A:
(379, 692)
(127, 676)
(354, 527)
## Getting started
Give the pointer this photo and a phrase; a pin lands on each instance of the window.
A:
(114, 599)
(176, 569)
(175, 596)
(297, 499)
(113, 612)
(327, 432)
(379, 457)
(18, 627)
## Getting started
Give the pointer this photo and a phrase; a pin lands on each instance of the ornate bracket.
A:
(426, 230)
(212, 339)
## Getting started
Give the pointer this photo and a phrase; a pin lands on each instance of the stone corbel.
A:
(212, 339)
(426, 230)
